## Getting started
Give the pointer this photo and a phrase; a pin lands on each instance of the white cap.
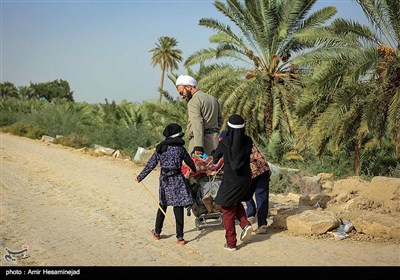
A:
(185, 80)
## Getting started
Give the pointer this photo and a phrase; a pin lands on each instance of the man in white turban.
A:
(205, 117)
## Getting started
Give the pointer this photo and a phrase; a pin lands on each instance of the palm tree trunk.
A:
(268, 110)
(162, 81)
(396, 144)
(357, 153)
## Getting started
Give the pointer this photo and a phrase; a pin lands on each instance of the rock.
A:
(312, 222)
(325, 177)
(280, 219)
(139, 154)
(107, 151)
(299, 199)
(312, 185)
(47, 139)
(320, 199)
(377, 225)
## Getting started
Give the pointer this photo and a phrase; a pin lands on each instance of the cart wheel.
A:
(197, 223)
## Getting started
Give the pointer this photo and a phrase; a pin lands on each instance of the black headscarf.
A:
(173, 137)
(197, 149)
(236, 141)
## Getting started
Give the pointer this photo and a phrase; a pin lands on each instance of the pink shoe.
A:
(181, 242)
(155, 236)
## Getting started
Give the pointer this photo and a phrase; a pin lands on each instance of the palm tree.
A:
(167, 56)
(25, 92)
(262, 42)
(8, 89)
(336, 121)
(351, 60)
(385, 17)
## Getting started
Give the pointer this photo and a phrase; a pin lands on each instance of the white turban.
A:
(185, 80)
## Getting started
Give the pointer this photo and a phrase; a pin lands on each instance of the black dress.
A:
(235, 185)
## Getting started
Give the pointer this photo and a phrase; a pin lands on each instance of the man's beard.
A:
(188, 95)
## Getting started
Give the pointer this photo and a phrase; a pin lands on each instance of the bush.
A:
(285, 182)
(125, 139)
(25, 129)
(8, 118)
(63, 118)
(395, 171)
(339, 165)
(74, 140)
(378, 162)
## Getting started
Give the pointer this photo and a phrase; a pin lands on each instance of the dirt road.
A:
(73, 209)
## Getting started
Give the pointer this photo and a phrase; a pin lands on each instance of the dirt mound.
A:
(372, 207)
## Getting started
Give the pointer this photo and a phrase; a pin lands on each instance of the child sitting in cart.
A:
(204, 165)
(204, 183)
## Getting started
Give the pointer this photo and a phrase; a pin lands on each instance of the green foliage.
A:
(378, 160)
(395, 171)
(275, 147)
(125, 139)
(284, 182)
(8, 118)
(128, 126)
(74, 140)
(260, 83)
(57, 90)
(25, 129)
(339, 165)
(50, 91)
(13, 110)
(279, 184)
(19, 105)
(124, 126)
(353, 91)
(63, 118)
(8, 89)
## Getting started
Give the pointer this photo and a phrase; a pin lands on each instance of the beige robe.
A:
(204, 113)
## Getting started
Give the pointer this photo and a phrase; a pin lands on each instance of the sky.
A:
(101, 48)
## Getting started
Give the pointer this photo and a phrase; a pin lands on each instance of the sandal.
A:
(155, 235)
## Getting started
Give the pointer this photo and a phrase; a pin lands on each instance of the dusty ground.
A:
(73, 209)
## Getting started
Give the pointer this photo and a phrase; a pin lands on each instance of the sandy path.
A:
(73, 209)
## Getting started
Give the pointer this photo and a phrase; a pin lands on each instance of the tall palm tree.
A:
(353, 60)
(261, 42)
(385, 17)
(167, 56)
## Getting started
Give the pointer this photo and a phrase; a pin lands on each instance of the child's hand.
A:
(210, 161)
(210, 173)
